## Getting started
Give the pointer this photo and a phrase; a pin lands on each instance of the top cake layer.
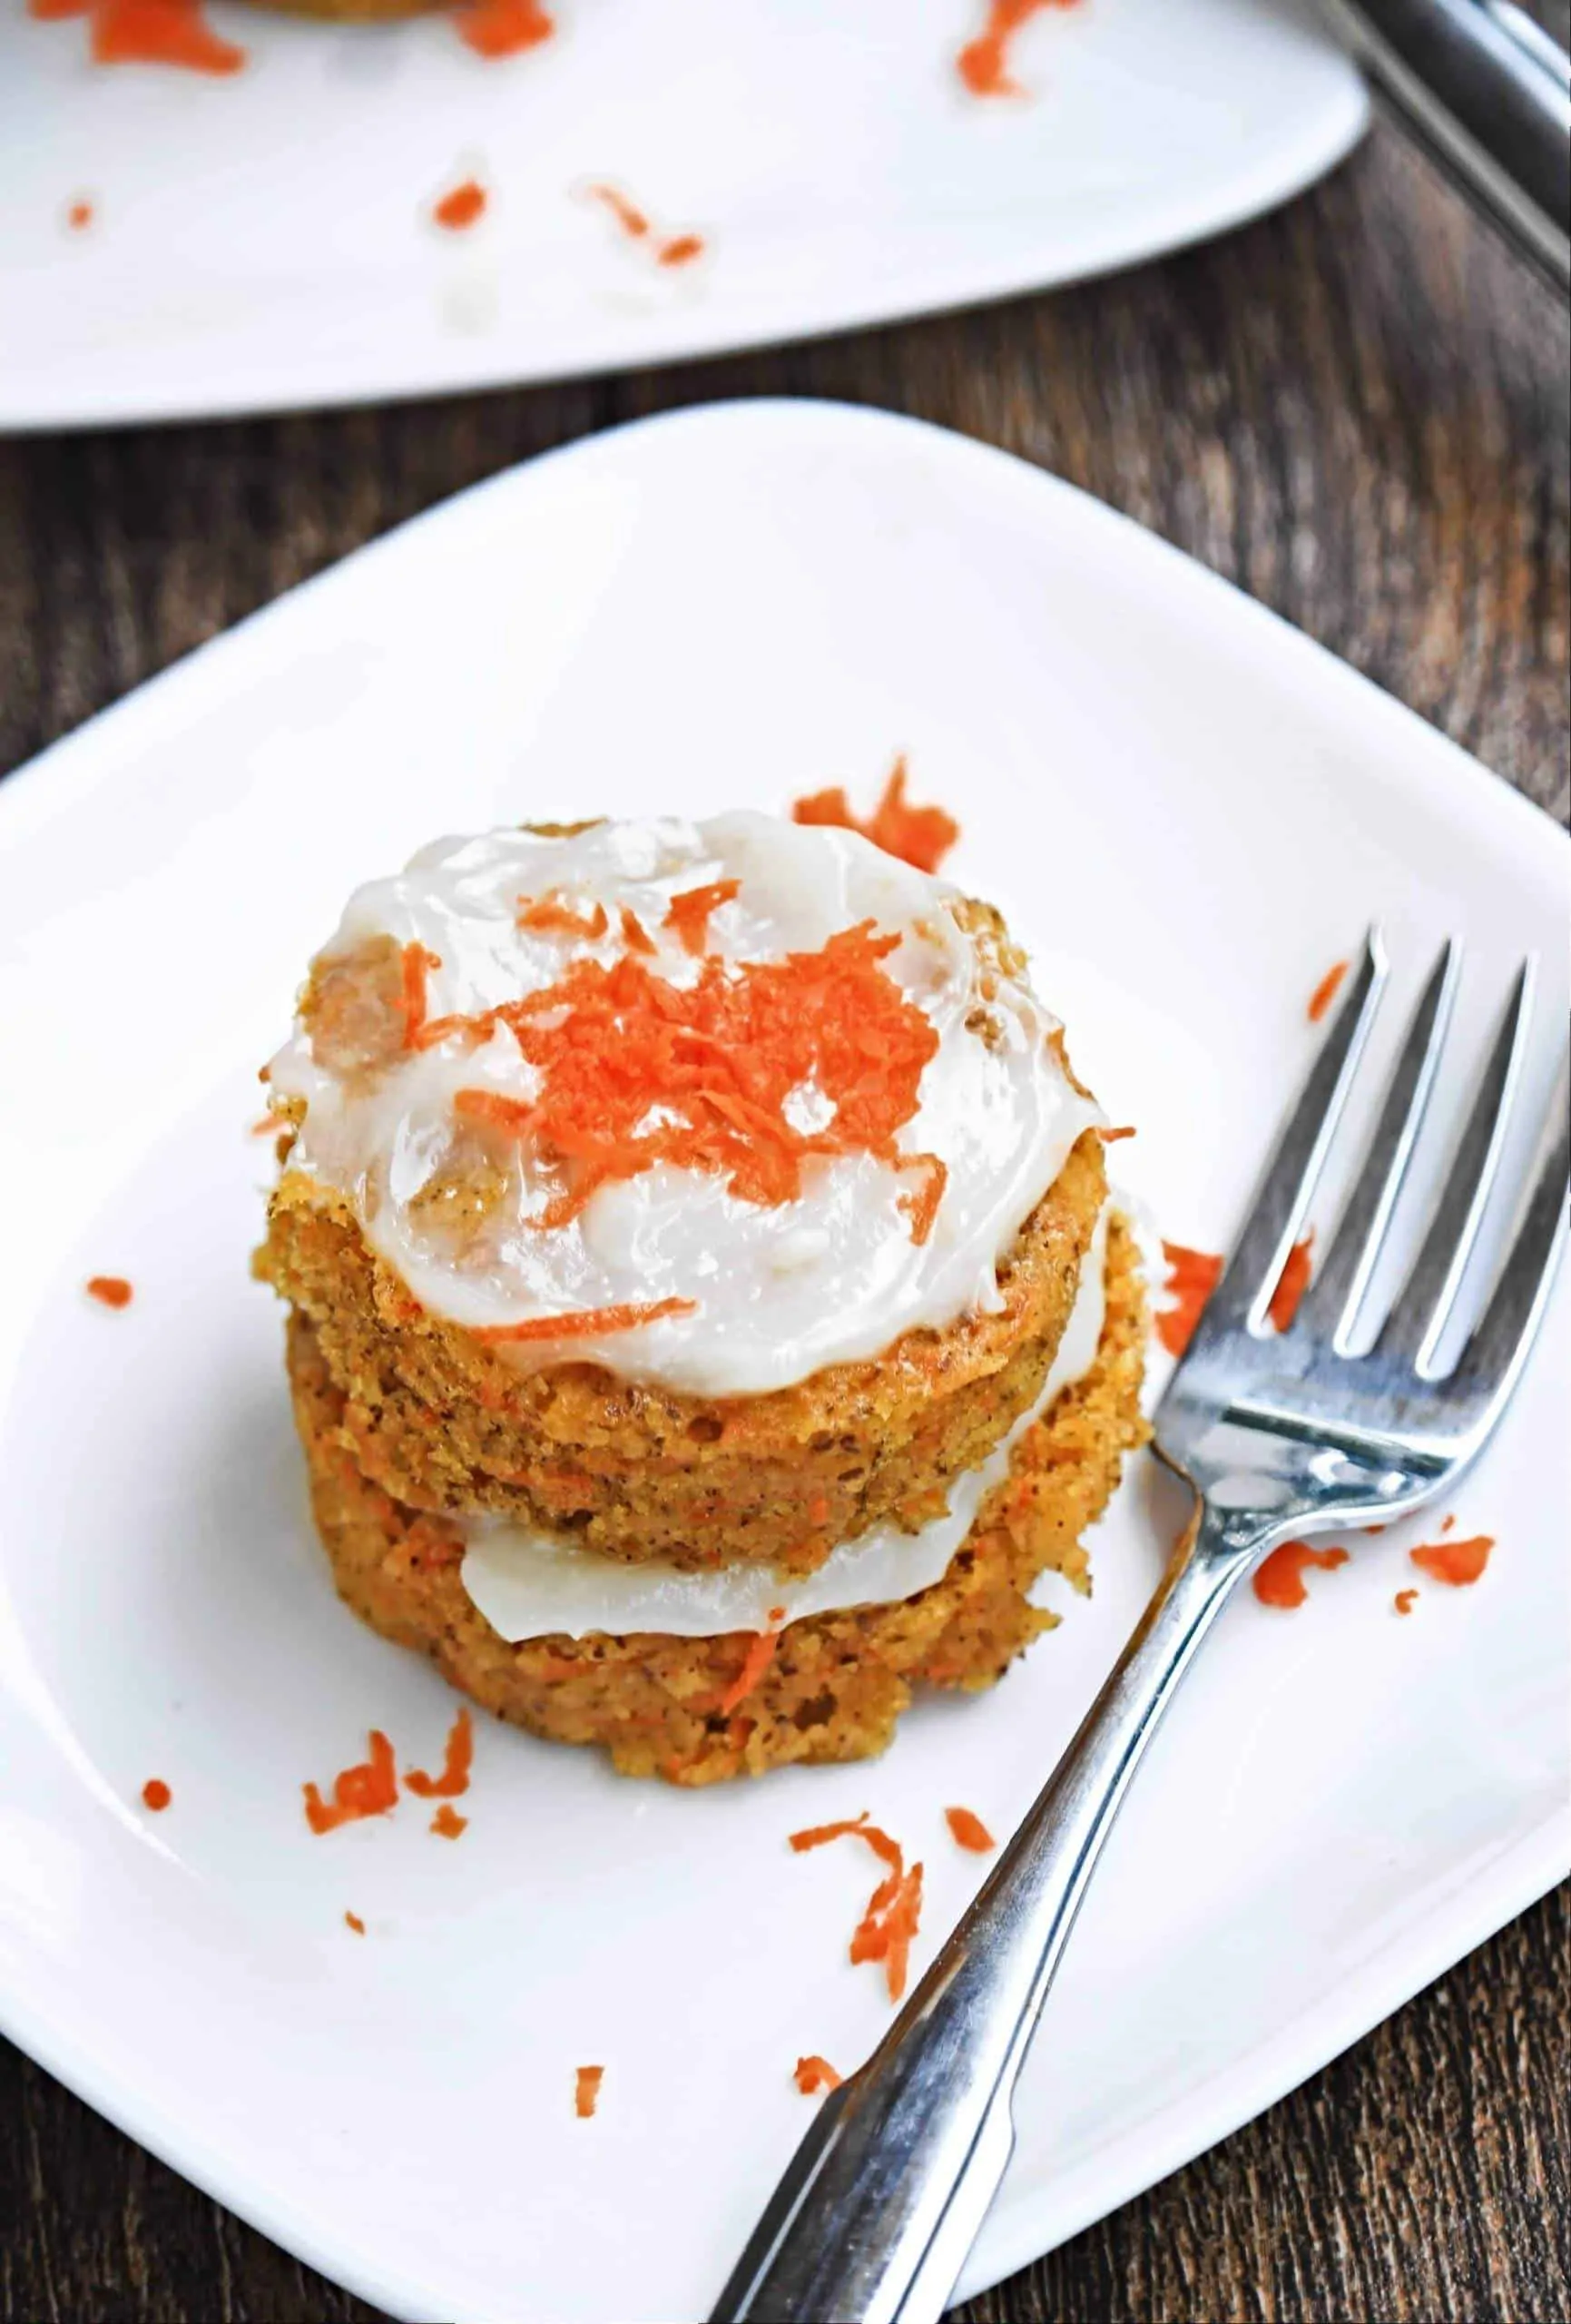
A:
(791, 1093)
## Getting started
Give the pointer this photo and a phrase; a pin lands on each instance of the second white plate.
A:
(266, 240)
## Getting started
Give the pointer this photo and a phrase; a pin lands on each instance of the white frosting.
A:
(538, 1585)
(781, 1291)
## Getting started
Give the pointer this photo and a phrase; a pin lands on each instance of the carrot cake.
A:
(708, 1317)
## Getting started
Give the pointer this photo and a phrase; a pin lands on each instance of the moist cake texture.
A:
(698, 1230)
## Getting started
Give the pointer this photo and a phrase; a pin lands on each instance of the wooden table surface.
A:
(1357, 409)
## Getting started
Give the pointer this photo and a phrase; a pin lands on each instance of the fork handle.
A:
(883, 2199)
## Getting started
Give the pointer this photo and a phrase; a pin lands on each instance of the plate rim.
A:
(1519, 1873)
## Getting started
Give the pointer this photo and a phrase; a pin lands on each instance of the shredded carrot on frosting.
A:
(457, 1760)
(418, 964)
(920, 836)
(369, 1789)
(689, 915)
(589, 1322)
(1191, 1278)
(634, 934)
(635, 1070)
(553, 914)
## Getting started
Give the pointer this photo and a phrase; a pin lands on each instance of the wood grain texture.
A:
(1356, 409)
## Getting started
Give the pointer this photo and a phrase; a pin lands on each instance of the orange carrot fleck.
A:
(109, 1290)
(885, 1929)
(79, 215)
(552, 914)
(588, 1323)
(1405, 1600)
(156, 1793)
(457, 1760)
(1448, 1522)
(148, 32)
(417, 963)
(1458, 1563)
(680, 250)
(1292, 1284)
(488, 1106)
(447, 1824)
(815, 2073)
(1326, 992)
(1112, 1137)
(1279, 1580)
(920, 836)
(1192, 1276)
(689, 915)
(760, 1654)
(857, 1826)
(460, 207)
(494, 28)
(819, 1509)
(371, 1788)
(353, 1920)
(969, 1830)
(984, 62)
(628, 214)
(635, 935)
(922, 1208)
(586, 2090)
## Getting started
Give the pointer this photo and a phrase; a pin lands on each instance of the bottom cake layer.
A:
(699, 1710)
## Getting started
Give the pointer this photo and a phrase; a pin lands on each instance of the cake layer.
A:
(529, 1583)
(436, 1419)
(697, 1710)
(764, 1079)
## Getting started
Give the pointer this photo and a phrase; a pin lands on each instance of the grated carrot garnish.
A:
(370, 1788)
(1326, 992)
(635, 1070)
(457, 1760)
(969, 1830)
(353, 1920)
(885, 1929)
(1447, 1523)
(156, 1793)
(922, 1208)
(489, 1106)
(689, 915)
(1191, 1278)
(502, 27)
(109, 1290)
(1279, 1580)
(586, 2090)
(79, 216)
(984, 62)
(1457, 1563)
(588, 1323)
(920, 836)
(1405, 1600)
(855, 1827)
(634, 934)
(680, 250)
(554, 915)
(760, 1654)
(417, 963)
(461, 207)
(447, 1824)
(628, 214)
(1292, 1284)
(815, 2073)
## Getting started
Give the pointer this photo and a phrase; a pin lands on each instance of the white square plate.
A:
(1188, 812)
(266, 240)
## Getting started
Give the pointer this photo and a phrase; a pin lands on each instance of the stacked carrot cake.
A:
(708, 1321)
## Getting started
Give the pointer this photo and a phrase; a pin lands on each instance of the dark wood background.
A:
(1358, 410)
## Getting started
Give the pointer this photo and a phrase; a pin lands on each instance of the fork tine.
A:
(1329, 1307)
(1267, 1236)
(1419, 1314)
(1496, 1352)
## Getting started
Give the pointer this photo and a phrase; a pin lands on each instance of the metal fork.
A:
(1278, 1434)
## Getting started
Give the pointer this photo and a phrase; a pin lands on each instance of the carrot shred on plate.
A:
(369, 1788)
(1279, 1580)
(1326, 992)
(1457, 1563)
(494, 28)
(1292, 1284)
(1405, 1600)
(887, 1928)
(586, 2090)
(983, 63)
(968, 1830)
(447, 1824)
(156, 1793)
(458, 1758)
(353, 1920)
(461, 207)
(815, 2073)
(109, 1290)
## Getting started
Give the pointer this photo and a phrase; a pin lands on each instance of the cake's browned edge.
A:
(641, 1472)
(836, 1682)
